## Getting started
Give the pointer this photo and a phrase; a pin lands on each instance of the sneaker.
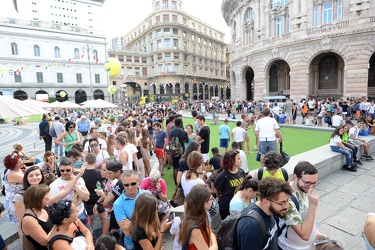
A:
(369, 158)
(358, 162)
(351, 169)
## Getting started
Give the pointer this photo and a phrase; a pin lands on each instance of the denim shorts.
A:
(267, 146)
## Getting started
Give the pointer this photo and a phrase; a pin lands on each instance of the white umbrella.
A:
(10, 107)
(37, 103)
(98, 103)
(66, 104)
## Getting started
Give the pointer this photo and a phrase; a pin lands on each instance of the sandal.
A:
(255, 148)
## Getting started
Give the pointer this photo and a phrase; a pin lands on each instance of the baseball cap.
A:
(83, 117)
(114, 166)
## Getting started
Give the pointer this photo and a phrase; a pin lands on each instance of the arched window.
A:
(76, 53)
(95, 54)
(249, 15)
(14, 48)
(36, 50)
(57, 52)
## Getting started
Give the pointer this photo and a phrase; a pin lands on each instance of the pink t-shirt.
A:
(146, 185)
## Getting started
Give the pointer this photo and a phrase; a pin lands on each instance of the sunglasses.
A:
(93, 145)
(71, 127)
(128, 184)
(65, 170)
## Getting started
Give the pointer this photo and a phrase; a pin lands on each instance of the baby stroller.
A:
(2, 121)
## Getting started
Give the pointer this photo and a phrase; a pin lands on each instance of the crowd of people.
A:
(100, 165)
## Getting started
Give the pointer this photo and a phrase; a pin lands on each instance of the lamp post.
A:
(87, 47)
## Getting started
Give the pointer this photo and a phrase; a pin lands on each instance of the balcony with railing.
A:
(328, 27)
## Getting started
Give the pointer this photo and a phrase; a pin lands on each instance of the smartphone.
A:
(171, 217)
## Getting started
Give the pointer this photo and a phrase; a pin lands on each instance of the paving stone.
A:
(326, 186)
(339, 178)
(335, 233)
(371, 172)
(324, 211)
(338, 198)
(358, 243)
(367, 179)
(365, 204)
(371, 192)
(320, 192)
(350, 220)
(353, 187)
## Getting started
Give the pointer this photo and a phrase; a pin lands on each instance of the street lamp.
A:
(87, 48)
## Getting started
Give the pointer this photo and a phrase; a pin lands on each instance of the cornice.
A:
(54, 38)
(293, 41)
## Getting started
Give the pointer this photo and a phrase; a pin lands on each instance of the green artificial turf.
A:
(296, 141)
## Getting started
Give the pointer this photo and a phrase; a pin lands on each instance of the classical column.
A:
(334, 20)
(319, 13)
(204, 91)
(316, 79)
(339, 78)
(190, 90)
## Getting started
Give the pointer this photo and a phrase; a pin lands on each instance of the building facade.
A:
(172, 55)
(74, 13)
(39, 60)
(301, 48)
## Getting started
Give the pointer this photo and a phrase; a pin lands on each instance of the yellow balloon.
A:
(112, 66)
(62, 94)
(111, 89)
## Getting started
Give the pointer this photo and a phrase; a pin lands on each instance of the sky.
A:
(120, 16)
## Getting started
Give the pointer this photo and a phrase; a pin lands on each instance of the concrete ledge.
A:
(324, 159)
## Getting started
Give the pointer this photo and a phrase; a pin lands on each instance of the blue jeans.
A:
(348, 154)
(59, 150)
(267, 146)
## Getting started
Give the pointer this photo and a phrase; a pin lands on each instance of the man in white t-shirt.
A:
(94, 133)
(238, 134)
(78, 195)
(337, 120)
(267, 130)
(276, 112)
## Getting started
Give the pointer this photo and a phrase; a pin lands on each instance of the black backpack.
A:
(227, 232)
(285, 173)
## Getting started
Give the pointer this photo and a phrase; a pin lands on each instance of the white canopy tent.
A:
(66, 104)
(98, 103)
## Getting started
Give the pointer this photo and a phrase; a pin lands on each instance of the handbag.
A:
(163, 207)
(178, 197)
(284, 155)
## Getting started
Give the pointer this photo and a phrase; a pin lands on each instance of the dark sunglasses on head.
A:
(94, 145)
(71, 127)
(65, 170)
(128, 184)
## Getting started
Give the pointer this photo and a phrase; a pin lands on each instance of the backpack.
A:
(285, 173)
(227, 232)
(51, 130)
(281, 228)
(175, 148)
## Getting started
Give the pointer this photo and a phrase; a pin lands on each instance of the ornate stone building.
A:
(171, 55)
(40, 59)
(301, 48)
